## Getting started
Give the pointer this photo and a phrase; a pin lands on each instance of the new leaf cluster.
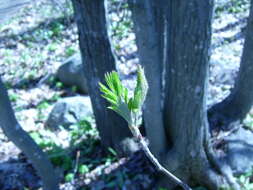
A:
(117, 95)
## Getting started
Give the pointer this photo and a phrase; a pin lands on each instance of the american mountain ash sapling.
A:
(130, 109)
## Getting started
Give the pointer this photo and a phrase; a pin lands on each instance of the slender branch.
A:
(136, 133)
(25, 143)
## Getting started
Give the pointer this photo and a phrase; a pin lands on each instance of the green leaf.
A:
(117, 95)
(116, 83)
(113, 102)
(108, 94)
(69, 177)
(141, 89)
(113, 152)
(125, 95)
(83, 169)
(132, 105)
(122, 109)
(109, 81)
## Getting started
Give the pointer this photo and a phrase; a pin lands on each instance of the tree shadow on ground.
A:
(47, 24)
(133, 173)
(17, 174)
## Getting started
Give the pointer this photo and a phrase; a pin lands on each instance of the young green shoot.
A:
(130, 109)
(117, 95)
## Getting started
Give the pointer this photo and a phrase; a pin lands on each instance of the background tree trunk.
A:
(235, 107)
(97, 60)
(149, 20)
(189, 36)
(187, 56)
(25, 143)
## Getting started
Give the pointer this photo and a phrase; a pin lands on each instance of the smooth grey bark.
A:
(183, 135)
(149, 20)
(25, 143)
(189, 36)
(235, 107)
(188, 42)
(191, 157)
(97, 60)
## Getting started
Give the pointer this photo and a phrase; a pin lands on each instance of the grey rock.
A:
(240, 151)
(69, 111)
(71, 73)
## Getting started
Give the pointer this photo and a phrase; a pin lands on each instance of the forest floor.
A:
(35, 42)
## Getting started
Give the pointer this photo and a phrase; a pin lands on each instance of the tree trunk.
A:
(25, 143)
(148, 20)
(97, 60)
(235, 107)
(189, 34)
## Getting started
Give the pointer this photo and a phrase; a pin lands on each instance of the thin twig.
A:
(77, 161)
(76, 166)
(136, 133)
